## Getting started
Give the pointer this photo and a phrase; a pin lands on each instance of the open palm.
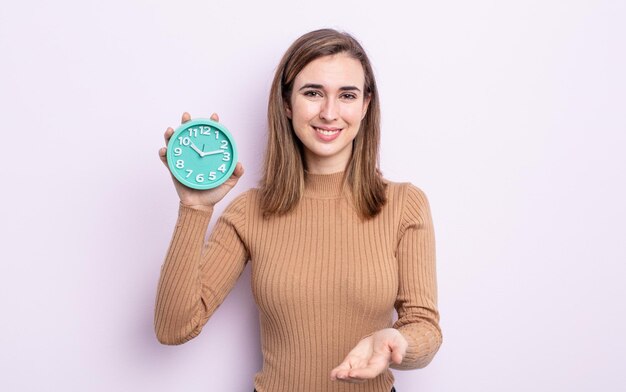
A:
(371, 356)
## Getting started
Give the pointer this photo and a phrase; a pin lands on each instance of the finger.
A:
(215, 117)
(340, 371)
(186, 117)
(163, 155)
(234, 178)
(238, 170)
(343, 375)
(365, 373)
(168, 134)
(352, 380)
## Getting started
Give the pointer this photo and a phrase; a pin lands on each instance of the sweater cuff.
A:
(424, 342)
(192, 218)
(203, 210)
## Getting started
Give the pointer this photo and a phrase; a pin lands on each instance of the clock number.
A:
(224, 144)
(217, 134)
(200, 178)
(189, 171)
(178, 151)
(193, 132)
(205, 131)
(185, 141)
(226, 156)
(222, 168)
(180, 164)
(212, 176)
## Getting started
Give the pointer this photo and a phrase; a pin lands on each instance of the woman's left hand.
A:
(371, 356)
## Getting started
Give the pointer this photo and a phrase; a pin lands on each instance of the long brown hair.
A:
(282, 184)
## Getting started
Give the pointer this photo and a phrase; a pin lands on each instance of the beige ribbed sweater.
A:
(322, 279)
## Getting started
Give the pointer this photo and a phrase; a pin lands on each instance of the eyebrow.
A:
(319, 86)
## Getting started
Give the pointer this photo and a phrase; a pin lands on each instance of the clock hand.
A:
(196, 149)
(213, 152)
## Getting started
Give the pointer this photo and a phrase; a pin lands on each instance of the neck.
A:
(327, 165)
(324, 185)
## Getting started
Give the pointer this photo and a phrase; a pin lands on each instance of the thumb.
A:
(398, 350)
(396, 357)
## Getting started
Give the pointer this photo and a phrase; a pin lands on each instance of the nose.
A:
(329, 110)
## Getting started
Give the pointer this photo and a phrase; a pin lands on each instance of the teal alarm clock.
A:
(201, 154)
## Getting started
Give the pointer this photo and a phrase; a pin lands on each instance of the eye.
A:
(312, 93)
(349, 96)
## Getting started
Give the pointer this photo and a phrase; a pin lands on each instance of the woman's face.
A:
(326, 109)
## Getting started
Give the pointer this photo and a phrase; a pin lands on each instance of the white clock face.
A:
(201, 154)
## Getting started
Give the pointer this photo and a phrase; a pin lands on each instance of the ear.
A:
(288, 110)
(366, 103)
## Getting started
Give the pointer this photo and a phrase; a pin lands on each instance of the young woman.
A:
(334, 248)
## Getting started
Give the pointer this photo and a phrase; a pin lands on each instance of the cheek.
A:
(303, 110)
(353, 114)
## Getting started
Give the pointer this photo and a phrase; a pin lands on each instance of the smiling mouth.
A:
(327, 132)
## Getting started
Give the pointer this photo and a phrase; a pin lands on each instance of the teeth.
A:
(325, 132)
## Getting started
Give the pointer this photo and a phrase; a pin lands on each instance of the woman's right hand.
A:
(200, 199)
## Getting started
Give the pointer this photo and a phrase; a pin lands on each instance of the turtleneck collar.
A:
(323, 185)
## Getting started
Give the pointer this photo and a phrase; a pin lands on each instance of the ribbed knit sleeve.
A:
(418, 317)
(196, 276)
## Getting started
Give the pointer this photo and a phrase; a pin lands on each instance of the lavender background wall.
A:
(510, 116)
